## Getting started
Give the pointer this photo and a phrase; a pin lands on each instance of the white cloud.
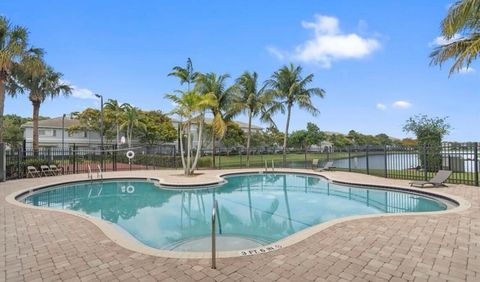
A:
(466, 70)
(81, 93)
(276, 52)
(328, 44)
(381, 106)
(401, 104)
(440, 40)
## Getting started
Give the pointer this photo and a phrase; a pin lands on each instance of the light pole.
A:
(63, 140)
(101, 127)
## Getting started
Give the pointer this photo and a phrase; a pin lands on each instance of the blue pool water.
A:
(259, 208)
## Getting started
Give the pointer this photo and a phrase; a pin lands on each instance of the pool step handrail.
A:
(273, 165)
(99, 172)
(90, 175)
(214, 237)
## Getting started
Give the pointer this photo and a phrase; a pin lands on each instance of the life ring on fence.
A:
(130, 154)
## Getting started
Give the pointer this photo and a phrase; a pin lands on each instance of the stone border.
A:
(127, 241)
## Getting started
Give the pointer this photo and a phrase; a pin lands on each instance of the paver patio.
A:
(43, 245)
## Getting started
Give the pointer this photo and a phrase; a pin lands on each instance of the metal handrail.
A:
(214, 238)
(99, 171)
(90, 175)
(273, 165)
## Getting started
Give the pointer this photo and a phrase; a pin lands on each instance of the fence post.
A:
(175, 157)
(475, 159)
(74, 159)
(3, 160)
(425, 166)
(366, 160)
(349, 160)
(385, 160)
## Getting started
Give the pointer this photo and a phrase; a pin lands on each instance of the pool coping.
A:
(125, 240)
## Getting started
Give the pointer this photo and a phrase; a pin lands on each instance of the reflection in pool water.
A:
(260, 207)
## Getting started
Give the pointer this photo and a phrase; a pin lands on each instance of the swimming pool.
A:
(253, 209)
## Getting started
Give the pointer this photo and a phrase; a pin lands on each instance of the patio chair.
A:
(46, 171)
(436, 181)
(55, 170)
(32, 172)
(328, 165)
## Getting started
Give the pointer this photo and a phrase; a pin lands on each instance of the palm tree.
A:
(13, 46)
(212, 84)
(118, 111)
(186, 75)
(252, 101)
(132, 121)
(42, 82)
(191, 106)
(290, 88)
(461, 29)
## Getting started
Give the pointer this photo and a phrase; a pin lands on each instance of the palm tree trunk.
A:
(199, 146)
(285, 138)
(189, 148)
(35, 117)
(213, 147)
(118, 133)
(180, 132)
(249, 134)
(2, 101)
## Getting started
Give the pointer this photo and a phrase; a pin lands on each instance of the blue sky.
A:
(371, 57)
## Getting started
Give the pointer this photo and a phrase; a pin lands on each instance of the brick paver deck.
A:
(44, 245)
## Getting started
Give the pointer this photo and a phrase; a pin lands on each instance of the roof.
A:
(53, 122)
(241, 124)
(57, 123)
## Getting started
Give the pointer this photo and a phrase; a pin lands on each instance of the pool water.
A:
(253, 209)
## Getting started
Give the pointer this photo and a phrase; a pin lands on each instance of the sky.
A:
(371, 57)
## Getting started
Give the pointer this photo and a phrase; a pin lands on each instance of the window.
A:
(47, 132)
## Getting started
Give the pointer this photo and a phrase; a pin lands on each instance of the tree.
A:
(115, 111)
(211, 84)
(383, 139)
(339, 140)
(186, 75)
(42, 81)
(191, 106)
(12, 130)
(234, 136)
(429, 132)
(131, 122)
(290, 89)
(158, 128)
(13, 46)
(253, 101)
(273, 136)
(304, 139)
(461, 29)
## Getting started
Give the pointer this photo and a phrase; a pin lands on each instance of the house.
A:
(50, 133)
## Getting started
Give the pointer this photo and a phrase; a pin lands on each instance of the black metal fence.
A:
(76, 159)
(401, 162)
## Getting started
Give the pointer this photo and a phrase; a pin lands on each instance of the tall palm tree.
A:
(191, 106)
(185, 74)
(132, 121)
(290, 88)
(461, 29)
(117, 110)
(42, 82)
(13, 46)
(212, 84)
(252, 101)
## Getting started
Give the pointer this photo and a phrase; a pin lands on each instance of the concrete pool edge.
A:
(112, 232)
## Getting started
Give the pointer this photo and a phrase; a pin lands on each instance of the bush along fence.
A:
(401, 162)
